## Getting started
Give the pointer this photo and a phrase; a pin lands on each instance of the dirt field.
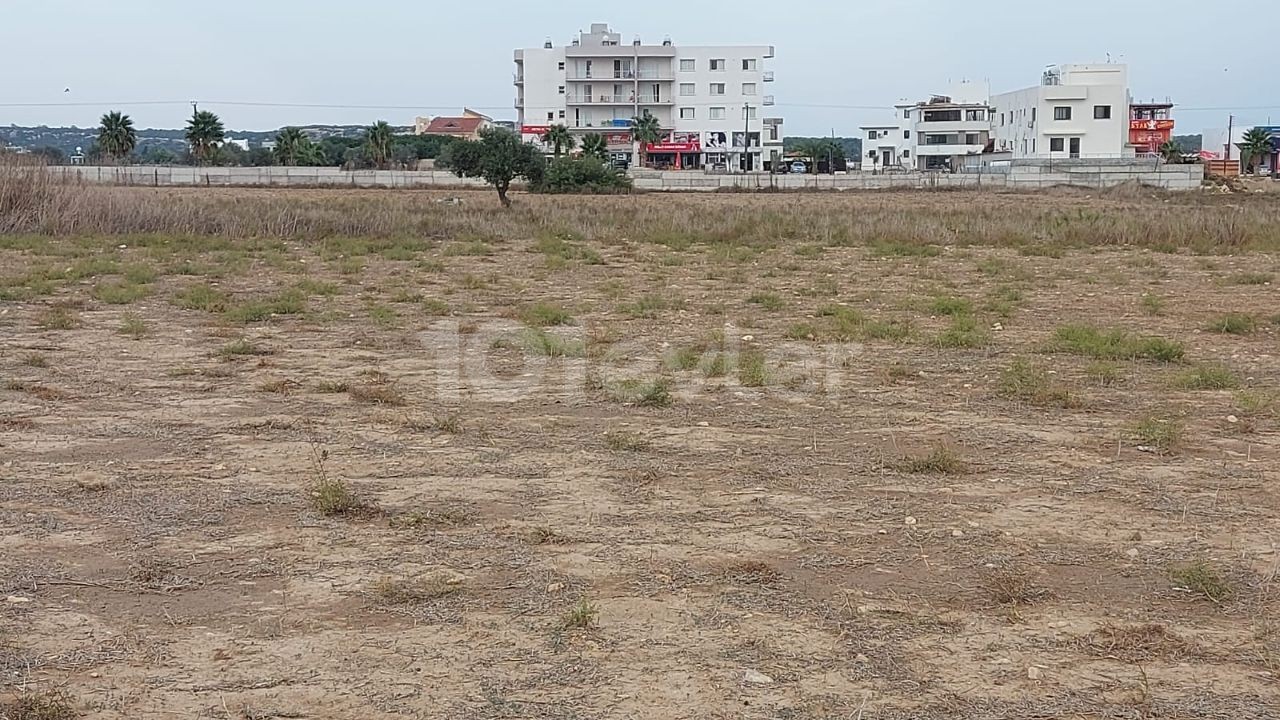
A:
(582, 468)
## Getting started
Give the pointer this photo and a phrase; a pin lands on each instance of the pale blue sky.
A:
(417, 57)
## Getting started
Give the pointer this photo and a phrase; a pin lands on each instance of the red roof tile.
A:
(454, 125)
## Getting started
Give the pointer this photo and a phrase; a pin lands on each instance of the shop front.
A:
(683, 151)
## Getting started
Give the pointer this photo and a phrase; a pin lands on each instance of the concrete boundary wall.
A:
(1032, 176)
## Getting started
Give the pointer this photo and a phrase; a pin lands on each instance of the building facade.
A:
(712, 103)
(1150, 126)
(1077, 111)
(466, 126)
(932, 135)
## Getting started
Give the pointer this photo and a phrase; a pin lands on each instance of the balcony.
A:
(951, 127)
(948, 150)
(655, 100)
(600, 100)
(768, 76)
(517, 78)
(767, 100)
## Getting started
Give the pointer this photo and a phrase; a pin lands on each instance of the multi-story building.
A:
(933, 135)
(712, 103)
(1150, 126)
(1076, 111)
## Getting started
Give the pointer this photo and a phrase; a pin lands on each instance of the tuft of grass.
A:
(1200, 577)
(377, 393)
(545, 314)
(581, 616)
(767, 300)
(541, 342)
(1113, 344)
(654, 393)
(940, 461)
(895, 330)
(332, 387)
(241, 348)
(685, 358)
(288, 302)
(625, 441)
(646, 307)
(139, 274)
(119, 293)
(1207, 377)
(752, 370)
(951, 306)
(35, 360)
(132, 325)
(1158, 432)
(963, 333)
(200, 297)
(1012, 587)
(561, 248)
(1252, 278)
(802, 331)
(1152, 304)
(330, 495)
(431, 586)
(1233, 324)
(716, 367)
(1104, 372)
(58, 317)
(1254, 403)
(47, 705)
(474, 248)
(894, 248)
(278, 386)
(751, 572)
(435, 306)
(1024, 381)
(383, 316)
(317, 287)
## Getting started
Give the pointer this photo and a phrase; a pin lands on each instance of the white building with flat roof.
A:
(1077, 111)
(931, 135)
(713, 103)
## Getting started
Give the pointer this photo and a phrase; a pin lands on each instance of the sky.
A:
(258, 64)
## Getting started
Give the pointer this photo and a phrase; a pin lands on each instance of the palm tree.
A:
(816, 148)
(558, 137)
(595, 146)
(204, 134)
(1171, 152)
(116, 136)
(378, 139)
(647, 130)
(293, 147)
(1256, 144)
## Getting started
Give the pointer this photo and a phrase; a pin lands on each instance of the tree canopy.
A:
(498, 157)
(204, 133)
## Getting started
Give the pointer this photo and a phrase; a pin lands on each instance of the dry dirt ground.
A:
(540, 476)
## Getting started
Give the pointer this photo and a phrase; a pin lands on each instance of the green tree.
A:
(1255, 145)
(116, 136)
(1171, 152)
(596, 146)
(204, 134)
(585, 174)
(294, 147)
(819, 149)
(646, 129)
(378, 140)
(499, 157)
(559, 138)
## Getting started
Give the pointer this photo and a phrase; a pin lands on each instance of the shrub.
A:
(1026, 382)
(1208, 377)
(581, 616)
(1160, 433)
(1232, 324)
(963, 333)
(544, 314)
(582, 175)
(201, 297)
(941, 460)
(289, 302)
(1201, 578)
(119, 293)
(952, 306)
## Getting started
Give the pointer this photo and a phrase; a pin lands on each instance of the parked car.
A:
(799, 168)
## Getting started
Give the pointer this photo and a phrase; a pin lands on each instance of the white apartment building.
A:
(1077, 111)
(932, 135)
(713, 103)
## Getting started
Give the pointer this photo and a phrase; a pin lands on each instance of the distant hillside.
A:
(67, 139)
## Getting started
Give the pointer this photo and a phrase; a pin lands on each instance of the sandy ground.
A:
(747, 551)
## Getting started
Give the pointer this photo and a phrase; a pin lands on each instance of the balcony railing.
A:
(768, 100)
(601, 99)
(656, 100)
(768, 76)
(517, 78)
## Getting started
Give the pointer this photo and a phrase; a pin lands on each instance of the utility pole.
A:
(1231, 122)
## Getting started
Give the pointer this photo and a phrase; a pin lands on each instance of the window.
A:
(906, 153)
(872, 135)
(561, 114)
(551, 116)
(1001, 119)
(717, 66)
(1062, 112)
(561, 66)
(906, 114)
(975, 115)
(687, 89)
(773, 132)
(1033, 114)
(748, 88)
(1101, 112)
(687, 113)
(749, 65)
(561, 89)
(717, 88)
(906, 134)
(1056, 145)
(689, 65)
(749, 113)
(717, 113)
(971, 139)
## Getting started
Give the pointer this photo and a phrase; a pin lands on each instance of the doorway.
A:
(1075, 147)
